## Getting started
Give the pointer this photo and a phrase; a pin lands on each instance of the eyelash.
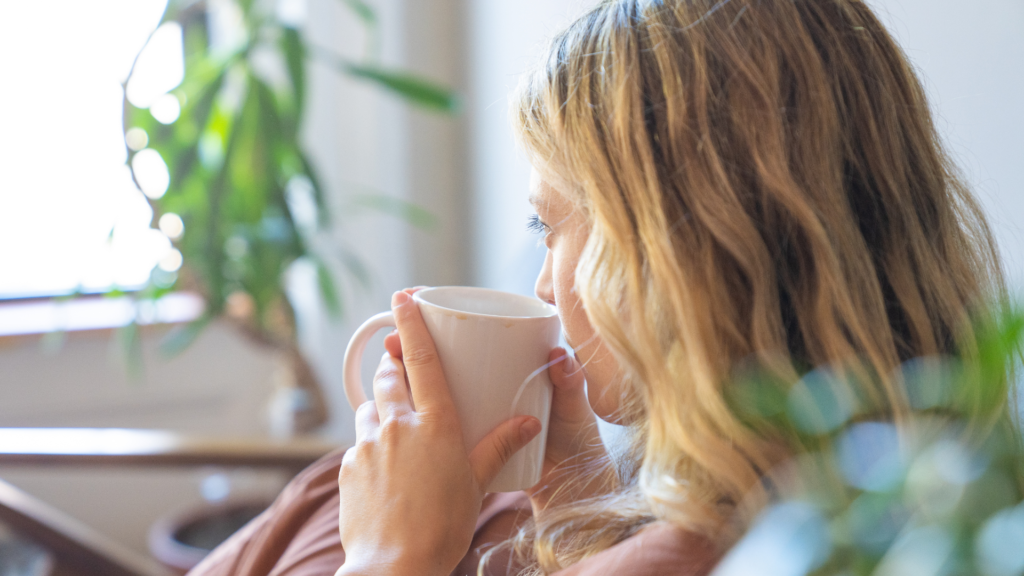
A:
(534, 224)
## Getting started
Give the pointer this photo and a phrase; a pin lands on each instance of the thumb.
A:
(495, 449)
(565, 372)
(569, 400)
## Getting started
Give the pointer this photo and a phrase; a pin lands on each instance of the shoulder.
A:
(658, 550)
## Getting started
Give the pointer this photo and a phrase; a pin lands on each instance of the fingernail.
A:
(529, 429)
(567, 364)
(399, 299)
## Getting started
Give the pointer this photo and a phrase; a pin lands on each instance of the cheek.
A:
(570, 310)
(599, 364)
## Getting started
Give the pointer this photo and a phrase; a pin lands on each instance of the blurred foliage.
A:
(243, 184)
(938, 493)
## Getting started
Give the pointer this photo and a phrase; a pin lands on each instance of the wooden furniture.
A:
(76, 548)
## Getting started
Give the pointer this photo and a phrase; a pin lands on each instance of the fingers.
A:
(393, 344)
(565, 372)
(492, 452)
(426, 379)
(367, 420)
(569, 400)
(390, 390)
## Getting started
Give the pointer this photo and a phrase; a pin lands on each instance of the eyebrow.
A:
(534, 200)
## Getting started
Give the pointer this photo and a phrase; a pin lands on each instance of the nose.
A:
(545, 288)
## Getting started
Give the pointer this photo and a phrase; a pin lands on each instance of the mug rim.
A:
(551, 310)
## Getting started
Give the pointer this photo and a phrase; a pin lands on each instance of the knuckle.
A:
(366, 409)
(364, 448)
(439, 424)
(392, 429)
(388, 371)
(387, 385)
(505, 449)
(420, 356)
(388, 388)
(360, 452)
(347, 461)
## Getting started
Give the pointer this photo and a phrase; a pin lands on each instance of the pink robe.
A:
(298, 536)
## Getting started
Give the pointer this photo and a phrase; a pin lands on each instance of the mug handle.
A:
(352, 375)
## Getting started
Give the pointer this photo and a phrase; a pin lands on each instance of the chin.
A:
(606, 406)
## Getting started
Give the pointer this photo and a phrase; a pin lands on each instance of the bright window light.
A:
(71, 217)
(151, 173)
(160, 67)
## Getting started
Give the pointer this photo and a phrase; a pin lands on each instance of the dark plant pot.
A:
(182, 540)
(20, 558)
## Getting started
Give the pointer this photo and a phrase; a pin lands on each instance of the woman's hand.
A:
(574, 444)
(410, 493)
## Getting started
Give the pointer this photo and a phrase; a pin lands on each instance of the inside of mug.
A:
(485, 302)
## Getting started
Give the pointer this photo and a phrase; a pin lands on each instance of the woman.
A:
(719, 184)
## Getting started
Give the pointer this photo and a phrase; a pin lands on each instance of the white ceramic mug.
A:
(494, 348)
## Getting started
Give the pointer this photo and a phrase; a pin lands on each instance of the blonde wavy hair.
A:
(764, 184)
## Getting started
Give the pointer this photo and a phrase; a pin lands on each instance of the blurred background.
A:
(200, 202)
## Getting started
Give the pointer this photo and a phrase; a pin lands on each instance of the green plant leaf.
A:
(329, 290)
(129, 341)
(218, 225)
(411, 213)
(356, 267)
(184, 162)
(295, 57)
(362, 10)
(413, 88)
(179, 338)
(998, 339)
(323, 209)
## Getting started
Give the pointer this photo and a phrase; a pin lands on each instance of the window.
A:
(71, 217)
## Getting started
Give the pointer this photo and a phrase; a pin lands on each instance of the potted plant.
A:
(241, 199)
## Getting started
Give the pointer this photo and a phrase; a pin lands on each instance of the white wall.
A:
(971, 58)
(506, 38)
(366, 140)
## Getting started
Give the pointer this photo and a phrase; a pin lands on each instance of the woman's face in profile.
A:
(565, 231)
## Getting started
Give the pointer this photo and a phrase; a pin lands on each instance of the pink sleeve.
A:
(659, 550)
(298, 534)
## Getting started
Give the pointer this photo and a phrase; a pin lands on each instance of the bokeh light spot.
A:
(136, 139)
(211, 150)
(172, 261)
(789, 539)
(999, 547)
(929, 381)
(301, 198)
(873, 521)
(869, 456)
(172, 225)
(166, 109)
(151, 173)
(236, 247)
(918, 552)
(159, 68)
(820, 402)
(215, 487)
